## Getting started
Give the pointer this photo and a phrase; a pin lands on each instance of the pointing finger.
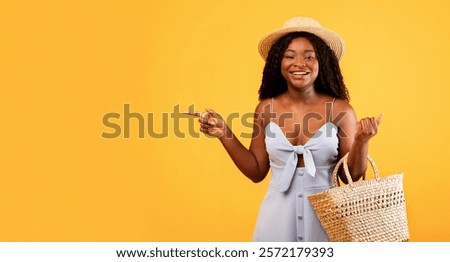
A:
(195, 113)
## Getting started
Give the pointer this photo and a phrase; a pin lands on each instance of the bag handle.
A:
(343, 161)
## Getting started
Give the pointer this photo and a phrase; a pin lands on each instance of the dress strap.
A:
(330, 113)
(271, 106)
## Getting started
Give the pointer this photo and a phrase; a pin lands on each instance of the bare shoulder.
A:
(264, 106)
(343, 112)
(263, 111)
(342, 105)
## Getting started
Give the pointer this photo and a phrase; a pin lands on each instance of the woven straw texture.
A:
(364, 211)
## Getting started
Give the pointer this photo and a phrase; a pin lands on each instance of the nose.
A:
(300, 62)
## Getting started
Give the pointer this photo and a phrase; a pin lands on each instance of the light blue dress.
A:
(285, 213)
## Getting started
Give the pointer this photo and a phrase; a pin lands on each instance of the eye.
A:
(289, 57)
(309, 58)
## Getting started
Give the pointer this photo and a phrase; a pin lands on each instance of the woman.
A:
(303, 125)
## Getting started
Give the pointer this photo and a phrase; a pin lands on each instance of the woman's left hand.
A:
(367, 128)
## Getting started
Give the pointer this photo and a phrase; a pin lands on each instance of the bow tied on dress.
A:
(291, 164)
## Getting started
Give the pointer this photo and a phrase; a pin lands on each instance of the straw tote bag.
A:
(367, 210)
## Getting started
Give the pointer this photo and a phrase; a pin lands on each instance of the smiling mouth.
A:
(300, 73)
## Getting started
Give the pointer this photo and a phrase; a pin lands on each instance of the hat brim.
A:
(333, 40)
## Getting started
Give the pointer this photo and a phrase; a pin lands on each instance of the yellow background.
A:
(64, 64)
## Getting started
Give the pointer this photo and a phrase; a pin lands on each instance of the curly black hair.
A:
(329, 81)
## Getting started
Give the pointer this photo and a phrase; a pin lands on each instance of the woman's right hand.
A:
(211, 122)
(252, 162)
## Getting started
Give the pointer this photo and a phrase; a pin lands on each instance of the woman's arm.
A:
(252, 162)
(354, 139)
(366, 128)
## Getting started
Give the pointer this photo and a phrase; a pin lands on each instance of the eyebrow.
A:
(306, 51)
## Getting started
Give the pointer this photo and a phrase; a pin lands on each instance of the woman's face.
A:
(299, 65)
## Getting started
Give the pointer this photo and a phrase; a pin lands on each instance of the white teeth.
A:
(299, 73)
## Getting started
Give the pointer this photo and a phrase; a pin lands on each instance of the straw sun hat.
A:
(303, 24)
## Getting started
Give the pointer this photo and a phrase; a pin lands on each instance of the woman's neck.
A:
(302, 96)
